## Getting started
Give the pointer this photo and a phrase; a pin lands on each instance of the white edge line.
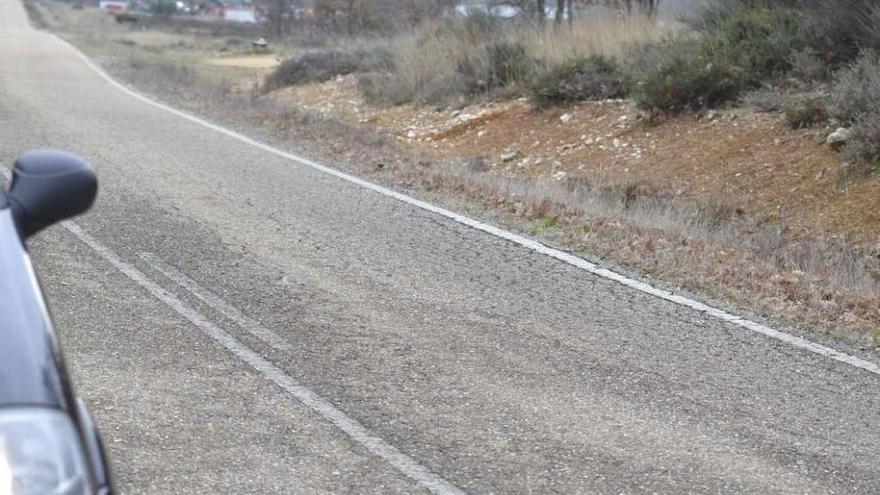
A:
(251, 325)
(356, 431)
(536, 246)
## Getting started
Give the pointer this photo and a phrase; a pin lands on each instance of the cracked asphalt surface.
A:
(496, 368)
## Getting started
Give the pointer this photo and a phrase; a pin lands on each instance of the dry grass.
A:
(825, 282)
(452, 57)
(589, 36)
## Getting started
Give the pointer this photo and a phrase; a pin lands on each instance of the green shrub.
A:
(589, 78)
(857, 89)
(836, 29)
(742, 45)
(679, 76)
(759, 41)
(805, 112)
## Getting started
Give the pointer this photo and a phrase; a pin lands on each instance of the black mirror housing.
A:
(49, 186)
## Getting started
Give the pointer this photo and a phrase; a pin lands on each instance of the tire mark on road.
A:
(324, 408)
(254, 327)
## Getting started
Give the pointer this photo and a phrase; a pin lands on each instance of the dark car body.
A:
(33, 376)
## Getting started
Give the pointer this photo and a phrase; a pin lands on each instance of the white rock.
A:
(566, 118)
(510, 156)
(838, 137)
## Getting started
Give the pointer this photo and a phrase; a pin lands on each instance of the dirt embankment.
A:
(752, 161)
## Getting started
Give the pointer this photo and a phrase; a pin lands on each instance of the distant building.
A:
(240, 14)
(230, 10)
(494, 9)
(113, 5)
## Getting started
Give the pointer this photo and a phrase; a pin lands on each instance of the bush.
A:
(323, 66)
(808, 67)
(309, 68)
(588, 78)
(679, 76)
(836, 29)
(857, 89)
(856, 102)
(384, 88)
(163, 8)
(765, 99)
(507, 63)
(743, 44)
(846, 28)
(760, 41)
(864, 140)
(805, 112)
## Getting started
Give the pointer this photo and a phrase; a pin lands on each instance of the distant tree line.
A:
(358, 15)
(383, 15)
(566, 8)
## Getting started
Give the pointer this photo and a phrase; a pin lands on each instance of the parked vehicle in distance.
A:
(48, 442)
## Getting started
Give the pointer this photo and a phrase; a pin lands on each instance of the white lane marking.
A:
(254, 327)
(356, 431)
(581, 263)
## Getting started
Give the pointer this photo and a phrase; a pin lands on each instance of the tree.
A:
(378, 15)
(277, 16)
(649, 7)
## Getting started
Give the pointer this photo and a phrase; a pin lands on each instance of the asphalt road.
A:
(291, 332)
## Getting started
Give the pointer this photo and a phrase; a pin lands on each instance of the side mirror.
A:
(48, 187)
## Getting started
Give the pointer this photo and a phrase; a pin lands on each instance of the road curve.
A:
(240, 323)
